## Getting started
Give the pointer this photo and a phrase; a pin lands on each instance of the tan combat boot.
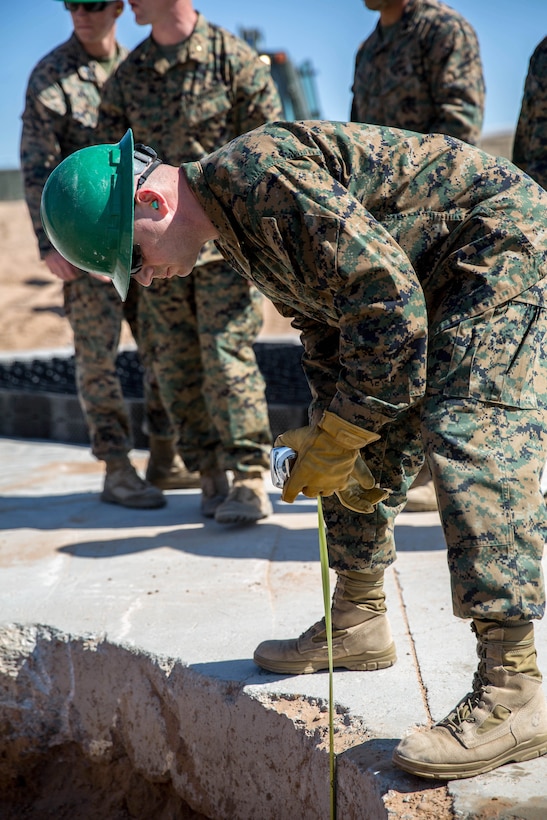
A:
(122, 485)
(502, 720)
(247, 501)
(422, 496)
(214, 490)
(166, 469)
(361, 632)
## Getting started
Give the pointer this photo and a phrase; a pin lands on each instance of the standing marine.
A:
(530, 143)
(421, 70)
(61, 109)
(185, 90)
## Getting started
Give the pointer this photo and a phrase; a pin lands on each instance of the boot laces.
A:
(318, 631)
(464, 710)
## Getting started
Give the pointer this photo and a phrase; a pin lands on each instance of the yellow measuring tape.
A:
(324, 557)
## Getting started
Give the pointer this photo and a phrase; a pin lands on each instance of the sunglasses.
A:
(92, 8)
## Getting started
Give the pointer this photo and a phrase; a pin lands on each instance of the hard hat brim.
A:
(121, 275)
(87, 210)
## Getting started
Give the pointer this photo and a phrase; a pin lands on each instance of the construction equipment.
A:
(296, 84)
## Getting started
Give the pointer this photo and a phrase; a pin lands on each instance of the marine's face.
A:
(378, 5)
(165, 249)
(170, 226)
(93, 27)
(148, 12)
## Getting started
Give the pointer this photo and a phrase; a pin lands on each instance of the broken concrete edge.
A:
(228, 750)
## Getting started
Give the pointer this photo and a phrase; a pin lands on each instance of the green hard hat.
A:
(87, 210)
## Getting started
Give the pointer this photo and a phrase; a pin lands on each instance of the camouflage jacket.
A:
(368, 235)
(530, 146)
(60, 116)
(211, 88)
(424, 73)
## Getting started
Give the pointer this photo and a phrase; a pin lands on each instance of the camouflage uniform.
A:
(60, 117)
(530, 146)
(423, 73)
(185, 101)
(415, 266)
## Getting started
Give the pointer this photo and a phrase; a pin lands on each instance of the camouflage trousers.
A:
(483, 427)
(199, 332)
(95, 314)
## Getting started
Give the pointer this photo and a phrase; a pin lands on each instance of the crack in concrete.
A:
(421, 683)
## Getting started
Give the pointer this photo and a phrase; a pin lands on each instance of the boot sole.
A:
(456, 771)
(239, 516)
(175, 484)
(370, 662)
(109, 499)
(239, 519)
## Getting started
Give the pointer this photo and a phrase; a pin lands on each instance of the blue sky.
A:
(325, 32)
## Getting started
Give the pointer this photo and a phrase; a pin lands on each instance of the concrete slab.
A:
(137, 628)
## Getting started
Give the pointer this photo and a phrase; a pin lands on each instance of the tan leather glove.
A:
(355, 497)
(326, 456)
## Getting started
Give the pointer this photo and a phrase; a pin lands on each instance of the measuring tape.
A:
(324, 557)
(281, 459)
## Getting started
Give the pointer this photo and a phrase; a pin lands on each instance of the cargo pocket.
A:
(494, 357)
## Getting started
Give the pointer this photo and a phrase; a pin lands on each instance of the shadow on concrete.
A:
(76, 511)
(242, 671)
(269, 542)
(374, 756)
(183, 528)
(86, 511)
(419, 539)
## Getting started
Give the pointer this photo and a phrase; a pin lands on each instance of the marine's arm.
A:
(255, 96)
(112, 121)
(41, 152)
(40, 148)
(530, 144)
(454, 70)
(320, 361)
(345, 263)
(366, 359)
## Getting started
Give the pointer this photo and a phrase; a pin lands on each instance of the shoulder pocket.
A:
(212, 103)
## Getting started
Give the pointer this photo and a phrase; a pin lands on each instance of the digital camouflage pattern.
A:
(60, 117)
(423, 73)
(95, 313)
(415, 266)
(217, 409)
(185, 101)
(530, 144)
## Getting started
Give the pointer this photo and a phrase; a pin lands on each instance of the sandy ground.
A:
(31, 305)
(31, 310)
